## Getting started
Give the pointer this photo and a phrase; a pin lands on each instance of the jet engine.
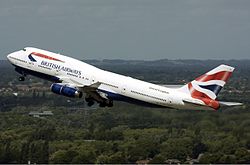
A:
(65, 90)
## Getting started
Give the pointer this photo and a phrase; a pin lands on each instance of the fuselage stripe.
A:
(45, 56)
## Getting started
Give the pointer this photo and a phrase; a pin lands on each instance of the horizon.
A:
(154, 60)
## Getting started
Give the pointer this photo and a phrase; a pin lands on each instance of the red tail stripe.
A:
(223, 75)
(195, 93)
(203, 97)
(45, 56)
(211, 103)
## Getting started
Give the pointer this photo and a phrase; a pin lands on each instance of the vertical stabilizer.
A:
(208, 86)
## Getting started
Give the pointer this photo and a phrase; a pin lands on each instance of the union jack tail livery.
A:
(205, 88)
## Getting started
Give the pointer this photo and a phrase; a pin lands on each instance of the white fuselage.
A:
(116, 86)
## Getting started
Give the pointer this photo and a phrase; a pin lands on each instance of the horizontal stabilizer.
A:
(171, 86)
(223, 103)
(193, 101)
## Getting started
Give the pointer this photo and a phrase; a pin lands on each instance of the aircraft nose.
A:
(8, 57)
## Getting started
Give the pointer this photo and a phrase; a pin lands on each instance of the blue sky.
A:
(128, 29)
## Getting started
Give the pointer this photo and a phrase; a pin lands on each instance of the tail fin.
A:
(207, 87)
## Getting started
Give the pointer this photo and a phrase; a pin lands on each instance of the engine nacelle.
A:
(64, 90)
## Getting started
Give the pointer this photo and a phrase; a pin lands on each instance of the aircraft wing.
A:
(90, 90)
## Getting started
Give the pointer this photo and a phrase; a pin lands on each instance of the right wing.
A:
(90, 90)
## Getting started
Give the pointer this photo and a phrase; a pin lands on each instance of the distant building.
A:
(39, 114)
(173, 161)
(32, 87)
(193, 161)
(143, 162)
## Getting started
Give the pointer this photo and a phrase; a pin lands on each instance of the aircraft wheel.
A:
(90, 103)
(102, 104)
(87, 99)
(110, 104)
(21, 78)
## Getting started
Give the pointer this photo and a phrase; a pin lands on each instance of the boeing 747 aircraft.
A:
(74, 78)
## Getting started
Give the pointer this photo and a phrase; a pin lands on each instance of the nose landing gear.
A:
(21, 78)
(21, 72)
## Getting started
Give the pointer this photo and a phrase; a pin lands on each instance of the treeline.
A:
(124, 134)
(159, 71)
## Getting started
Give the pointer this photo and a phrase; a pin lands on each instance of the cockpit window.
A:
(24, 49)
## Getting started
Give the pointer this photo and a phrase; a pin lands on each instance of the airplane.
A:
(75, 79)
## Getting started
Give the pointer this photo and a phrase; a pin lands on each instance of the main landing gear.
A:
(106, 103)
(89, 101)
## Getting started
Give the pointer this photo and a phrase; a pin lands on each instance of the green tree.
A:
(178, 148)
(7, 155)
(208, 158)
(227, 159)
(117, 157)
(84, 157)
(39, 151)
(158, 159)
(229, 145)
(198, 148)
(24, 156)
(63, 156)
(102, 159)
(242, 155)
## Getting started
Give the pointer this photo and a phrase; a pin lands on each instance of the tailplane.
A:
(207, 87)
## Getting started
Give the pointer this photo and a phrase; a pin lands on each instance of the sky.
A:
(128, 29)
